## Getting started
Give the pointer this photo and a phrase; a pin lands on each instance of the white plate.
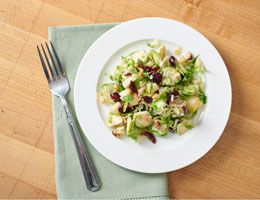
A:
(169, 153)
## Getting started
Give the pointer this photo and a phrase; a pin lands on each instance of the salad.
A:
(153, 93)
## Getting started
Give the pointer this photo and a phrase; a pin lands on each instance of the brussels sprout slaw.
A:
(153, 93)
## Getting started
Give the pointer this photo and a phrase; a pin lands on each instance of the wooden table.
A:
(230, 170)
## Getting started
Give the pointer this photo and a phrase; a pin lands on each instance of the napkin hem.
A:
(51, 28)
(146, 197)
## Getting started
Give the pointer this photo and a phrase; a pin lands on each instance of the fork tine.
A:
(47, 61)
(57, 58)
(43, 65)
(52, 60)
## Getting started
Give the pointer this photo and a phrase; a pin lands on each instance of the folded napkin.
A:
(71, 43)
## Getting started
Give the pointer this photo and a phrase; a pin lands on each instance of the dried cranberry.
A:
(172, 60)
(147, 69)
(128, 74)
(148, 99)
(150, 136)
(155, 69)
(176, 93)
(185, 109)
(133, 87)
(170, 98)
(157, 78)
(120, 109)
(115, 96)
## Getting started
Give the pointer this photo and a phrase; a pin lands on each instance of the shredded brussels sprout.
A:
(154, 94)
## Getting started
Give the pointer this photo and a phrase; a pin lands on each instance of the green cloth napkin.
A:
(71, 43)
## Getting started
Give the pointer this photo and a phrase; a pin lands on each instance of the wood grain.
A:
(230, 170)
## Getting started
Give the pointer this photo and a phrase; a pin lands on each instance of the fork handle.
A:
(89, 172)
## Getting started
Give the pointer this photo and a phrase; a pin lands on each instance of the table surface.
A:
(230, 170)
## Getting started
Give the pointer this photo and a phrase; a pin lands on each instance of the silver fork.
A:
(59, 86)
